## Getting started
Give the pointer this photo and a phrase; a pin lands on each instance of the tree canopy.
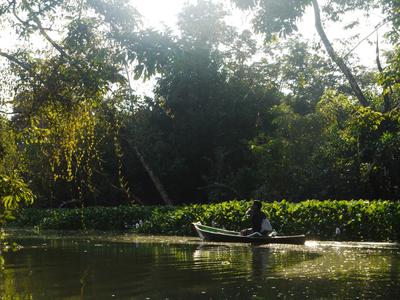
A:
(228, 118)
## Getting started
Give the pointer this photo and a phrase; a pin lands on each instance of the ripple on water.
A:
(126, 266)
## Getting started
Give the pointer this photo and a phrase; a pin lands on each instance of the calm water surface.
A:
(104, 266)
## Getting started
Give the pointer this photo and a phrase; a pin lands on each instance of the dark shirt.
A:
(256, 220)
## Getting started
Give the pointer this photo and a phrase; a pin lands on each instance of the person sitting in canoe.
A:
(260, 223)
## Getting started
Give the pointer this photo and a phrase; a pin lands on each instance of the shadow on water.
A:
(105, 266)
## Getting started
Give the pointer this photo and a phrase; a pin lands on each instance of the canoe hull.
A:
(213, 234)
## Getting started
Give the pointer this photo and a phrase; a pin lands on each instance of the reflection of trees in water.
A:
(8, 280)
(10, 286)
(78, 268)
(340, 273)
(258, 262)
(81, 267)
(222, 256)
(72, 268)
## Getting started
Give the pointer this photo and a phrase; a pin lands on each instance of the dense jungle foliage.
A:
(230, 116)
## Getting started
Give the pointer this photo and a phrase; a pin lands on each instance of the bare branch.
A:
(379, 25)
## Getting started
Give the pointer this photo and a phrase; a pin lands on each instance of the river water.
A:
(114, 266)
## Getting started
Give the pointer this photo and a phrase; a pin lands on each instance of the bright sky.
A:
(161, 13)
(158, 13)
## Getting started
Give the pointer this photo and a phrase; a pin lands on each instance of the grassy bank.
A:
(376, 220)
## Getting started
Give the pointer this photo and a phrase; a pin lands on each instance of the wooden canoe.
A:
(214, 234)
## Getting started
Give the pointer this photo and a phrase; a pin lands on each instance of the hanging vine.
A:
(66, 137)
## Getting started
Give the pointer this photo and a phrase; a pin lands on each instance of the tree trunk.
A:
(386, 98)
(337, 59)
(154, 178)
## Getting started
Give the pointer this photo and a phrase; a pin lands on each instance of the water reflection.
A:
(99, 267)
(258, 262)
(261, 261)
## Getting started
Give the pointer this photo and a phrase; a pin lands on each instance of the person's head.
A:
(257, 205)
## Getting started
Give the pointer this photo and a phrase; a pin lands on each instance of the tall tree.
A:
(281, 17)
(208, 103)
(58, 91)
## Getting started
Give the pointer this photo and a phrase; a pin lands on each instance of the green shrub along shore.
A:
(358, 220)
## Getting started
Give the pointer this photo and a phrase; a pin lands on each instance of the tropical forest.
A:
(261, 113)
(138, 140)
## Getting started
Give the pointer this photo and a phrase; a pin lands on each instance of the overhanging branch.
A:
(13, 59)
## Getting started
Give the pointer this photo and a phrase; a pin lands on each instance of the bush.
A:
(377, 220)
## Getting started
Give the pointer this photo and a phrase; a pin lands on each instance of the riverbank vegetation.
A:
(229, 116)
(358, 220)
